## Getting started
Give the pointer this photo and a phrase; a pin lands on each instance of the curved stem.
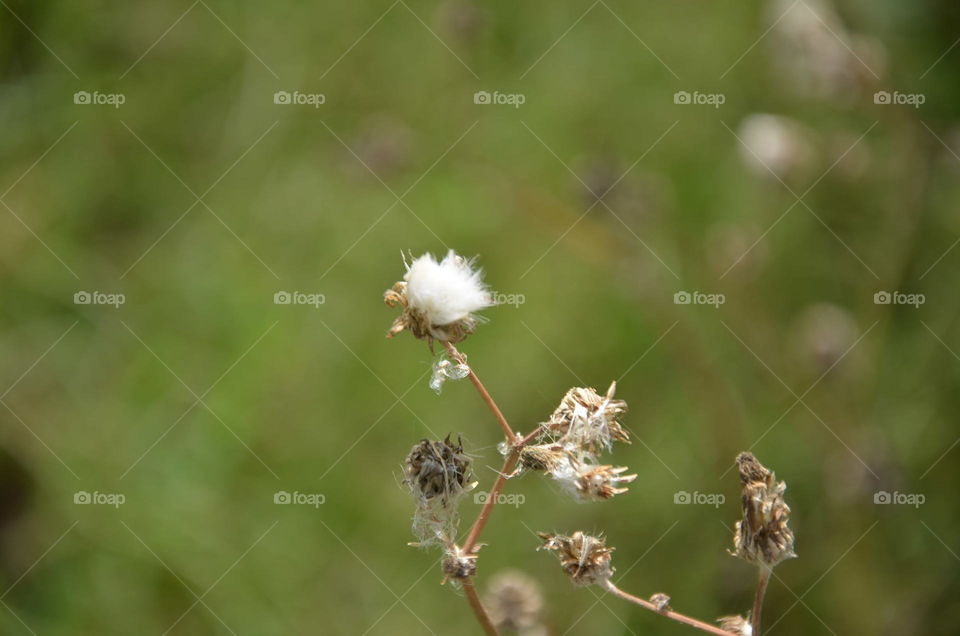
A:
(482, 390)
(474, 599)
(764, 579)
(680, 618)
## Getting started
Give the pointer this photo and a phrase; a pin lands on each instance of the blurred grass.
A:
(329, 406)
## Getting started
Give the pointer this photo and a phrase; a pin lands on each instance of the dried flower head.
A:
(439, 298)
(513, 601)
(457, 564)
(580, 477)
(587, 420)
(597, 483)
(584, 558)
(438, 474)
(762, 536)
(541, 457)
(735, 625)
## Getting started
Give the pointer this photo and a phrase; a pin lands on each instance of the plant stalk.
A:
(763, 580)
(474, 599)
(482, 390)
(680, 618)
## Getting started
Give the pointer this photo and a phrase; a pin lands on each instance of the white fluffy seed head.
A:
(445, 291)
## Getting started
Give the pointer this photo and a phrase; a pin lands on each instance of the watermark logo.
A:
(899, 99)
(96, 98)
(296, 98)
(298, 298)
(698, 298)
(499, 298)
(898, 298)
(697, 98)
(84, 498)
(884, 498)
(98, 298)
(501, 499)
(684, 498)
(284, 498)
(496, 97)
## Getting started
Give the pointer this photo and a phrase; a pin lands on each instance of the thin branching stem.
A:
(762, 582)
(680, 618)
(508, 465)
(474, 599)
(482, 390)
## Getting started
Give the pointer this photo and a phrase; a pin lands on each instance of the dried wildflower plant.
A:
(567, 446)
(439, 298)
(438, 474)
(762, 536)
(583, 558)
(439, 301)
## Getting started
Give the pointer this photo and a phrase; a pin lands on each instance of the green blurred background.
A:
(598, 199)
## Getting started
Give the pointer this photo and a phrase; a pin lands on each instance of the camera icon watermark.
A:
(296, 98)
(297, 498)
(684, 498)
(496, 97)
(884, 498)
(98, 298)
(96, 98)
(899, 298)
(84, 498)
(698, 298)
(900, 99)
(501, 499)
(298, 298)
(697, 98)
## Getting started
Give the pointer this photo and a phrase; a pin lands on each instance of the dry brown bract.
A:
(762, 535)
(585, 559)
(601, 482)
(735, 625)
(416, 322)
(588, 420)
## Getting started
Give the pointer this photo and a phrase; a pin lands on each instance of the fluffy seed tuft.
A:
(439, 298)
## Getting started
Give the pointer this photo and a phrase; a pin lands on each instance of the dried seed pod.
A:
(597, 483)
(513, 601)
(457, 564)
(762, 536)
(588, 421)
(438, 475)
(437, 468)
(584, 558)
(542, 457)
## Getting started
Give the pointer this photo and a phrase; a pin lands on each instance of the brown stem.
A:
(680, 618)
(482, 390)
(508, 465)
(762, 582)
(474, 599)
